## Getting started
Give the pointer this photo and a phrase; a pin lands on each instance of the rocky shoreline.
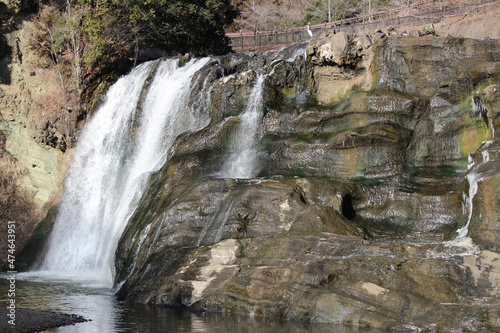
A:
(30, 320)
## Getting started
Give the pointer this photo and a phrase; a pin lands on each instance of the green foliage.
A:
(104, 35)
(60, 37)
(99, 27)
(196, 26)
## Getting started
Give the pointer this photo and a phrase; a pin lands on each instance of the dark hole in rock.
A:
(346, 207)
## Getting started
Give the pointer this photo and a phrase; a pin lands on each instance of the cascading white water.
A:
(474, 176)
(243, 163)
(124, 142)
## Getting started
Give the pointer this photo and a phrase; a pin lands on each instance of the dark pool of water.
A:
(109, 316)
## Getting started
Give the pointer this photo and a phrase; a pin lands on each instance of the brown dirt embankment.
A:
(478, 23)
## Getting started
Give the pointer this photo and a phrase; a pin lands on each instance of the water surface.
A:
(111, 316)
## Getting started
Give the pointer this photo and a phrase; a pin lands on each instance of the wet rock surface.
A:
(39, 121)
(362, 187)
(328, 278)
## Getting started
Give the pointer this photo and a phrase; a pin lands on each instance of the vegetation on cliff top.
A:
(91, 37)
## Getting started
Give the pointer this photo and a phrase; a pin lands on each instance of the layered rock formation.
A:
(364, 182)
(36, 126)
(363, 187)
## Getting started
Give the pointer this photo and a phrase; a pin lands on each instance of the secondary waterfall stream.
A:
(479, 167)
(242, 163)
(124, 142)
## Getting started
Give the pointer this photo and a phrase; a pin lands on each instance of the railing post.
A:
(241, 36)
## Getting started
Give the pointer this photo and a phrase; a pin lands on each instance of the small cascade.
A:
(302, 93)
(472, 178)
(127, 139)
(291, 54)
(243, 163)
(476, 172)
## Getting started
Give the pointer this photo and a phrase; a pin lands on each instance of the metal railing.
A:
(429, 11)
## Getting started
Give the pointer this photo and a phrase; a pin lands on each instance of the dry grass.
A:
(52, 101)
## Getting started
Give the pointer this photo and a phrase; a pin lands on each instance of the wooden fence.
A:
(429, 11)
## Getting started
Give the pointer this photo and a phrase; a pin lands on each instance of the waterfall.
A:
(243, 161)
(125, 141)
(476, 172)
(472, 178)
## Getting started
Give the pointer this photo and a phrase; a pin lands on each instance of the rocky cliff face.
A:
(38, 123)
(42, 110)
(364, 182)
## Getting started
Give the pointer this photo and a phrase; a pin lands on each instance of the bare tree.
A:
(259, 15)
(272, 14)
(74, 15)
(279, 14)
(330, 10)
